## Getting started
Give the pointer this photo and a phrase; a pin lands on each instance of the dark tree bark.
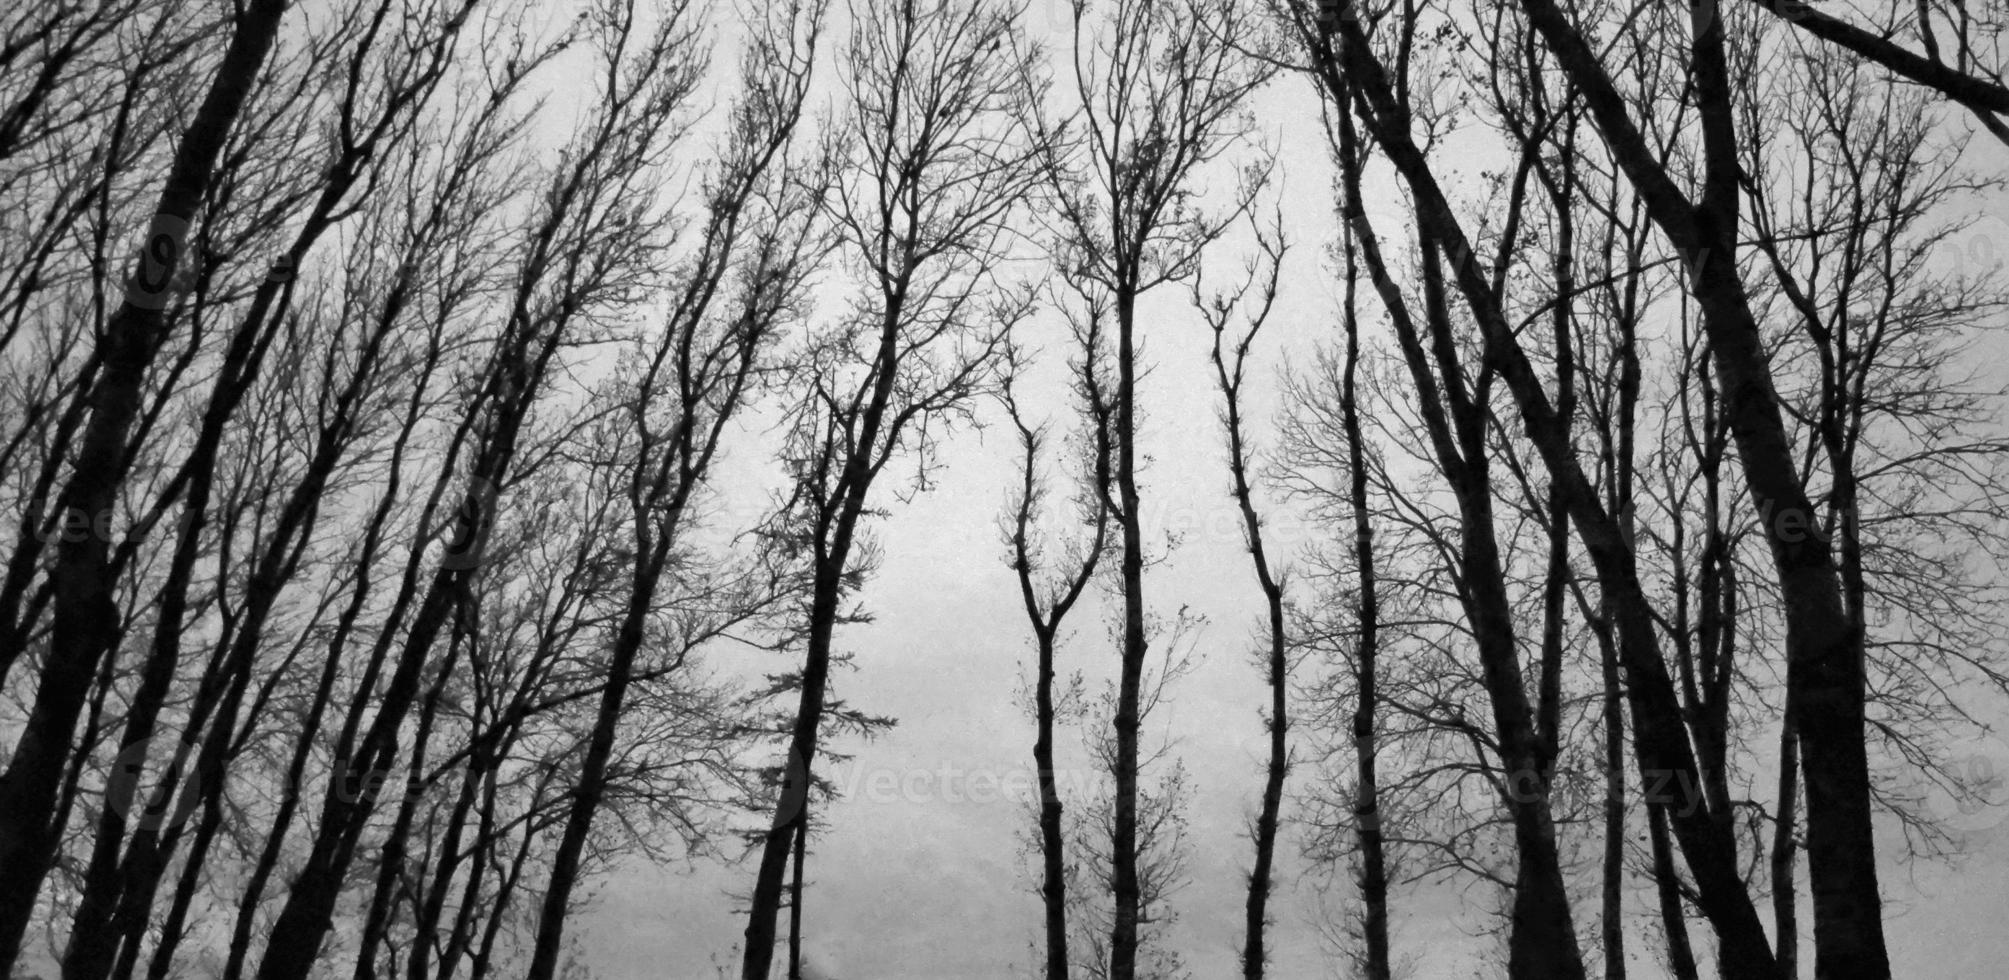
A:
(1668, 886)
(1785, 895)
(1987, 98)
(1373, 879)
(795, 867)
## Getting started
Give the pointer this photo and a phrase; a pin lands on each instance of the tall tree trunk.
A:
(652, 550)
(1613, 920)
(709, 379)
(1046, 614)
(572, 257)
(1667, 883)
(1276, 769)
(1785, 895)
(360, 772)
(931, 80)
(1053, 863)
(1621, 468)
(321, 698)
(795, 899)
(792, 808)
(393, 873)
(295, 942)
(1367, 797)
(1124, 886)
(836, 530)
(1229, 373)
(88, 957)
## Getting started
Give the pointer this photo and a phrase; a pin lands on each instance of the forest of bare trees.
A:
(448, 448)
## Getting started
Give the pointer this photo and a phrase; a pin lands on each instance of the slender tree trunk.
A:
(1123, 838)
(1667, 882)
(511, 876)
(944, 194)
(1613, 921)
(131, 927)
(303, 746)
(1542, 942)
(827, 589)
(518, 369)
(482, 779)
(794, 803)
(447, 860)
(795, 899)
(89, 958)
(1229, 372)
(651, 552)
(295, 943)
(1367, 797)
(1053, 865)
(1046, 616)
(1621, 509)
(710, 380)
(1785, 895)
(239, 370)
(392, 871)
(359, 773)
(1275, 771)
(226, 685)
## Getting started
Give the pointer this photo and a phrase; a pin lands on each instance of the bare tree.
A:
(1230, 360)
(1163, 844)
(114, 879)
(1454, 406)
(1825, 647)
(760, 231)
(588, 245)
(86, 615)
(1159, 87)
(1321, 401)
(1047, 602)
(934, 170)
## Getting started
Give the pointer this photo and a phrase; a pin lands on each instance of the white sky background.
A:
(926, 882)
